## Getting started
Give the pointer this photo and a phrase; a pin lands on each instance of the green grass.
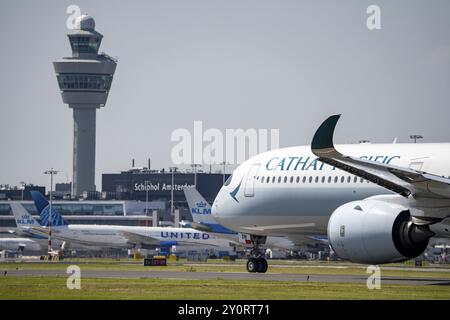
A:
(12, 287)
(225, 267)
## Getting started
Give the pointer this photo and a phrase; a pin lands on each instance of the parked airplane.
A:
(19, 244)
(113, 236)
(381, 204)
(28, 226)
(201, 213)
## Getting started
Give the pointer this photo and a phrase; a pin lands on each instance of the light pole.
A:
(172, 169)
(224, 163)
(415, 137)
(24, 184)
(146, 196)
(194, 167)
(51, 172)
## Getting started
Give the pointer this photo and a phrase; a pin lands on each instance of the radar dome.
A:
(85, 22)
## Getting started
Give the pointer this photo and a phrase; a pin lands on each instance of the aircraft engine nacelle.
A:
(375, 232)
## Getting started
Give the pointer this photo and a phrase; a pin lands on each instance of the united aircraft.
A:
(375, 203)
(113, 236)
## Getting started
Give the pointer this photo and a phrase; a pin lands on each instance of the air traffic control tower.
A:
(84, 80)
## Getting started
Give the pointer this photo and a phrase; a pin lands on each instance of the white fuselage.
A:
(289, 192)
(130, 236)
(16, 244)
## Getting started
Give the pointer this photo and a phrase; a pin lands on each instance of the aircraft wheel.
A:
(252, 265)
(262, 265)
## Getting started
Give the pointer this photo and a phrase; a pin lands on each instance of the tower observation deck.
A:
(84, 80)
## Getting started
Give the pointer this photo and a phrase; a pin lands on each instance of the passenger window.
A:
(342, 179)
(317, 179)
(292, 179)
(298, 179)
(355, 179)
(349, 179)
(335, 179)
(304, 179)
(362, 180)
(310, 179)
(285, 179)
(329, 179)
(273, 179)
(323, 179)
(279, 179)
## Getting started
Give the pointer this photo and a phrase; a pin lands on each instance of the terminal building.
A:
(144, 184)
(130, 197)
(109, 212)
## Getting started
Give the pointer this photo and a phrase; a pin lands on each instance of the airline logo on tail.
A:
(22, 216)
(201, 213)
(25, 220)
(44, 211)
(201, 204)
(201, 208)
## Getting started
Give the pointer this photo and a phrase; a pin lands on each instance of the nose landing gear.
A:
(257, 262)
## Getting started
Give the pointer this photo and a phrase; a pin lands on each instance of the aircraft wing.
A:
(404, 181)
(7, 231)
(135, 238)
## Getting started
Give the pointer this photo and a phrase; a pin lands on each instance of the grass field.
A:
(55, 288)
(215, 266)
(37, 287)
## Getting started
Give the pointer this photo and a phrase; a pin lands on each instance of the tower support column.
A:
(83, 148)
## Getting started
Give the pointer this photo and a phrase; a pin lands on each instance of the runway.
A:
(184, 275)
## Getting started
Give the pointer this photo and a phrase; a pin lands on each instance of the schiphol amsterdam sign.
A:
(157, 187)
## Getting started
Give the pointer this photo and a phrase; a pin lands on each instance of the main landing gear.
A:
(257, 261)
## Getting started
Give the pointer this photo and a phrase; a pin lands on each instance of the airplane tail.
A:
(201, 212)
(22, 216)
(43, 208)
(199, 208)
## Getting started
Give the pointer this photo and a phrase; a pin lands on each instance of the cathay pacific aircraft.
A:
(113, 236)
(377, 203)
(201, 214)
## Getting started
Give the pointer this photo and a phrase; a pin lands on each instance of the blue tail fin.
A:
(43, 208)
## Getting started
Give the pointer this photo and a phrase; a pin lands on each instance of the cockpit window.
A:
(228, 180)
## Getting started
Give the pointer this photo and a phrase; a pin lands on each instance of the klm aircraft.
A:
(377, 203)
(21, 245)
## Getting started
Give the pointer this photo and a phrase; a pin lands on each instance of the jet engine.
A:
(375, 232)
